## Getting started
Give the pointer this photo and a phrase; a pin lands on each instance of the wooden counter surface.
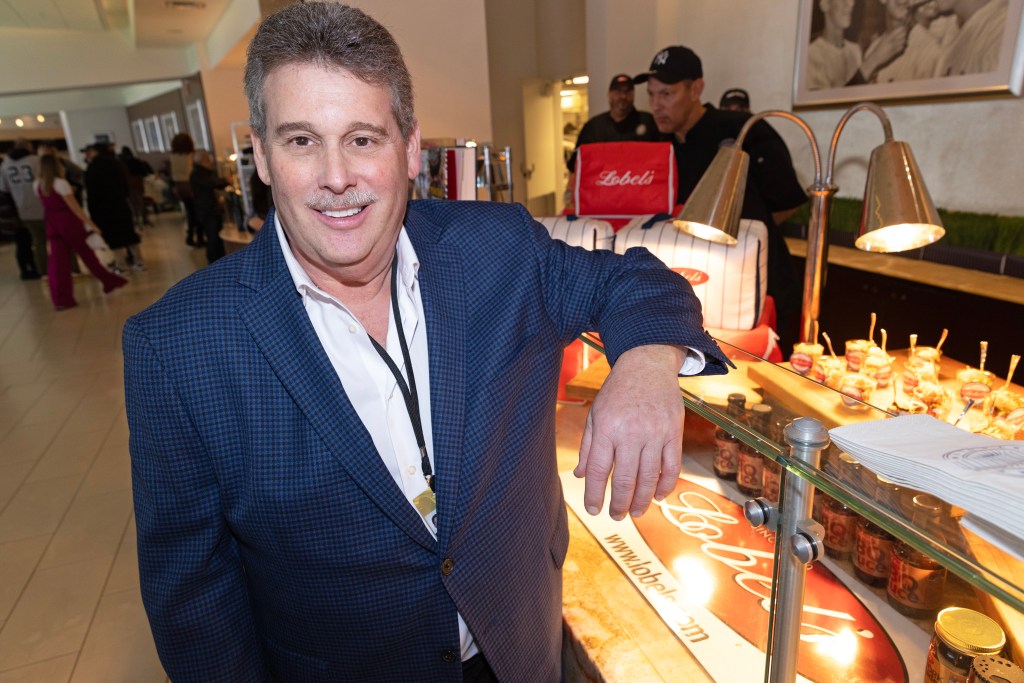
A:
(616, 636)
(1002, 287)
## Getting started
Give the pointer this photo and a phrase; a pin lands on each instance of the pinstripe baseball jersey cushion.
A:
(588, 233)
(731, 282)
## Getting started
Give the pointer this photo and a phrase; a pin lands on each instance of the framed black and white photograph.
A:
(854, 50)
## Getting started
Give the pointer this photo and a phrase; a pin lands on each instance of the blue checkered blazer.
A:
(273, 543)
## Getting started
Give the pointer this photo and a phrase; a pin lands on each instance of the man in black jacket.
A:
(205, 183)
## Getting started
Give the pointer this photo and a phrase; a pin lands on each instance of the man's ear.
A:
(412, 151)
(262, 163)
(697, 89)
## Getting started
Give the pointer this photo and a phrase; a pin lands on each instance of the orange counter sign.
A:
(709, 575)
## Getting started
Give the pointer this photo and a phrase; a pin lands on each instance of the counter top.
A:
(616, 636)
(976, 282)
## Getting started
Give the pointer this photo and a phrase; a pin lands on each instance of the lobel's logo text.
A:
(613, 178)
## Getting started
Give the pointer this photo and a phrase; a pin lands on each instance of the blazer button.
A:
(448, 656)
(447, 566)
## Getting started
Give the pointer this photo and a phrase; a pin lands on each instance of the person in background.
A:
(67, 228)
(675, 83)
(735, 99)
(17, 173)
(209, 213)
(262, 202)
(22, 239)
(621, 123)
(833, 61)
(182, 151)
(343, 435)
(106, 196)
(73, 173)
(138, 171)
(975, 49)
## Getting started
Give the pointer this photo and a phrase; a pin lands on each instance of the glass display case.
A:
(850, 589)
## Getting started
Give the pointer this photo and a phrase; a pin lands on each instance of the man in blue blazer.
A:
(342, 437)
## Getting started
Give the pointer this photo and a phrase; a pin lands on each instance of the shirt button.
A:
(411, 470)
(447, 566)
(352, 329)
(448, 656)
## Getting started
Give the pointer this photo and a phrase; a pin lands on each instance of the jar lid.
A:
(988, 669)
(970, 632)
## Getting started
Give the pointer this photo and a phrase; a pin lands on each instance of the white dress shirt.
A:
(368, 382)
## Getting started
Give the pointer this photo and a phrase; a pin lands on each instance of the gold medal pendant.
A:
(425, 503)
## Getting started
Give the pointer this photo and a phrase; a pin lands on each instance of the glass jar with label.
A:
(961, 635)
(840, 523)
(873, 548)
(727, 446)
(989, 669)
(771, 478)
(750, 467)
(916, 581)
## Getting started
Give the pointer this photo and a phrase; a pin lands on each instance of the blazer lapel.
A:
(277, 320)
(443, 291)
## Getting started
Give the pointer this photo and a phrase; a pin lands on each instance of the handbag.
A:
(94, 240)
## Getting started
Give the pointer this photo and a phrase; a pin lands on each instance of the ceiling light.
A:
(581, 80)
(19, 123)
(40, 118)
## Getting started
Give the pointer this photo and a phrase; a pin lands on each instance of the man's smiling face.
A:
(339, 170)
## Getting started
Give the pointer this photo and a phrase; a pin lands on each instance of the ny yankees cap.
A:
(673, 64)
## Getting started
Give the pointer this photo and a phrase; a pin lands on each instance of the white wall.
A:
(81, 126)
(444, 43)
(970, 151)
(225, 103)
(40, 60)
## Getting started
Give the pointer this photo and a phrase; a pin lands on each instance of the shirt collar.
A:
(408, 262)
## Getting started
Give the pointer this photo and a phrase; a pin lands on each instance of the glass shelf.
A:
(979, 563)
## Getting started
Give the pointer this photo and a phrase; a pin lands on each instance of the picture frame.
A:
(899, 49)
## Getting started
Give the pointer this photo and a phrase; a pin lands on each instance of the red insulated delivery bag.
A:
(625, 179)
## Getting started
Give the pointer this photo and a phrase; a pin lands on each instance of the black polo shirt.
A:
(638, 126)
(771, 186)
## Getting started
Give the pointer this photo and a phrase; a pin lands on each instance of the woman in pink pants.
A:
(66, 232)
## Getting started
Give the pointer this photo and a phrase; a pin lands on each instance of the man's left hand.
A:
(634, 432)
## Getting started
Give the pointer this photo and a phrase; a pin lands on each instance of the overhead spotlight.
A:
(19, 123)
(40, 118)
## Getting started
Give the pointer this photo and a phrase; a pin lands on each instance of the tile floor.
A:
(70, 609)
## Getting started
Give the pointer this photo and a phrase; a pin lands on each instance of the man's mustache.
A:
(350, 200)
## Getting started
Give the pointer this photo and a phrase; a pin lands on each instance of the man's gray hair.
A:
(329, 35)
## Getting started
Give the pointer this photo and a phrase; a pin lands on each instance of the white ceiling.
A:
(157, 24)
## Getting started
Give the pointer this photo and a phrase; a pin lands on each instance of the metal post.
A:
(806, 438)
(817, 257)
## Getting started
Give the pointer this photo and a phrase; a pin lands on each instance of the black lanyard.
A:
(412, 403)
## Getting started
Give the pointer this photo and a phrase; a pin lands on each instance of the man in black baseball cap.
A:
(735, 99)
(675, 82)
(621, 123)
(673, 64)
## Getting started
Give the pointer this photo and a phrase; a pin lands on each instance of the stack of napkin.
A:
(982, 475)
